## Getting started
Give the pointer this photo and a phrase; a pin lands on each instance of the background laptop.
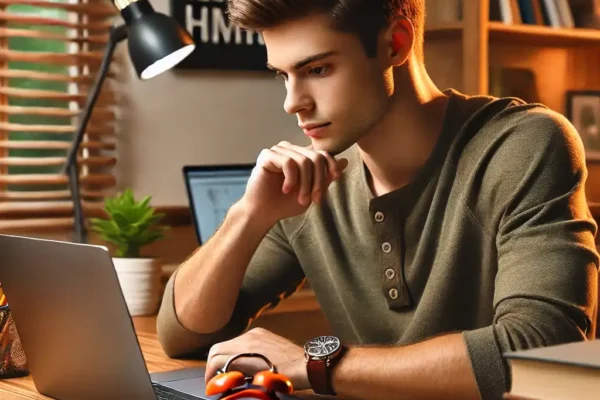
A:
(212, 190)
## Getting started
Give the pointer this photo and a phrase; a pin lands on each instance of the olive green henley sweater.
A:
(493, 239)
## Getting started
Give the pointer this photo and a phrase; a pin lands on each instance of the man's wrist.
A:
(323, 354)
(337, 370)
(254, 220)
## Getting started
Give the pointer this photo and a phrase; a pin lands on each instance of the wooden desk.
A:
(156, 360)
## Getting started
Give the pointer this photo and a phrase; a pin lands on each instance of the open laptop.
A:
(75, 327)
(212, 190)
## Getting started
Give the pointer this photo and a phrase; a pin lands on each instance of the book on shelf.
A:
(553, 13)
(506, 11)
(565, 13)
(560, 372)
(532, 12)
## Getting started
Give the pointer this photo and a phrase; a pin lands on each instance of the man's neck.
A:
(398, 147)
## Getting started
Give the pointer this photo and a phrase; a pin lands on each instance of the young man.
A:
(449, 229)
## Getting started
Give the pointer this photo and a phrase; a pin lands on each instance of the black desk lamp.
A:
(156, 44)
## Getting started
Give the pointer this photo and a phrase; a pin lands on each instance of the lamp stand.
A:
(117, 35)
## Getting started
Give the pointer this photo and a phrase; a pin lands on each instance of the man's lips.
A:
(314, 130)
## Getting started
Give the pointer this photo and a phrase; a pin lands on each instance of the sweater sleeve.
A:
(273, 274)
(546, 284)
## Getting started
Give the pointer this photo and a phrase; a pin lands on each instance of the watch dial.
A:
(322, 346)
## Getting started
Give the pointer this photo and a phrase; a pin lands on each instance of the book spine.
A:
(505, 12)
(527, 13)
(552, 12)
(564, 11)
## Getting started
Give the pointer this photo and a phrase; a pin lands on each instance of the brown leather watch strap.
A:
(319, 377)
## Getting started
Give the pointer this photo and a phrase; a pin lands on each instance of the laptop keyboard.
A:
(163, 393)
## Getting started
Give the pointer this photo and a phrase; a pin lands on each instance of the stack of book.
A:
(563, 372)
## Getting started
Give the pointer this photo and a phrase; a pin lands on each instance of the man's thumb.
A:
(342, 163)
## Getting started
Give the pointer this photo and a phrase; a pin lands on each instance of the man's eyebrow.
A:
(306, 60)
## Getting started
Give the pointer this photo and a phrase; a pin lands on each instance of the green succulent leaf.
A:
(130, 224)
(121, 219)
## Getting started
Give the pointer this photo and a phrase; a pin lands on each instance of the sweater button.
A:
(393, 294)
(390, 273)
(386, 247)
(379, 217)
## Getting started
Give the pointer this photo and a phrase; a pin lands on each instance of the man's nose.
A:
(297, 98)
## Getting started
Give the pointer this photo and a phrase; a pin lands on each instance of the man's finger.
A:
(213, 364)
(321, 176)
(342, 163)
(305, 168)
(335, 166)
(332, 167)
(248, 366)
(273, 161)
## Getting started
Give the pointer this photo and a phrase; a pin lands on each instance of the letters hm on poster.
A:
(207, 21)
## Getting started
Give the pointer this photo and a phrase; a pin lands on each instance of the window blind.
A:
(50, 52)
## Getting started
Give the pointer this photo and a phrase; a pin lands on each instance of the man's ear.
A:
(399, 38)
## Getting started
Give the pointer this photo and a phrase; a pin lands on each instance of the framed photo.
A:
(583, 110)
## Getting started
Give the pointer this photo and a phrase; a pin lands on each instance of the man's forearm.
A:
(435, 369)
(207, 285)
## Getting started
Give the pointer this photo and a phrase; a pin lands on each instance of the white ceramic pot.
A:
(140, 283)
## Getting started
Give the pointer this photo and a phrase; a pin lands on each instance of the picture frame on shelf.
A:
(583, 110)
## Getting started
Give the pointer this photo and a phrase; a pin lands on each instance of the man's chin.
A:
(331, 147)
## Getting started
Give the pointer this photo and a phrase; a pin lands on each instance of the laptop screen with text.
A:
(212, 190)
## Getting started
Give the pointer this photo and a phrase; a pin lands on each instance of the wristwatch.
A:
(321, 354)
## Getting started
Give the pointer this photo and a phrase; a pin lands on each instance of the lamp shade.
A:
(156, 42)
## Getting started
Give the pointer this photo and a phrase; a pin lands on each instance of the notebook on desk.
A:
(75, 327)
(212, 190)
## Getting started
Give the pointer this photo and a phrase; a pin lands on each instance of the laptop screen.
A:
(212, 190)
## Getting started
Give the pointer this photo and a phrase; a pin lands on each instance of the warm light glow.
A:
(121, 4)
(167, 62)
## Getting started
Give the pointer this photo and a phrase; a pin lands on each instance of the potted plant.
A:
(129, 226)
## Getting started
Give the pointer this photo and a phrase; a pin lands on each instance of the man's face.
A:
(337, 93)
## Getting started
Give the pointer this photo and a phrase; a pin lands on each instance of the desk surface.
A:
(156, 360)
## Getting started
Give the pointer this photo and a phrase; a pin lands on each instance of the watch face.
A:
(322, 346)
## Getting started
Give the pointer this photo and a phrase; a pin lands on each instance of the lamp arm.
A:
(117, 35)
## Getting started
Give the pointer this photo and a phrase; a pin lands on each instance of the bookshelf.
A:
(522, 34)
(543, 35)
(460, 52)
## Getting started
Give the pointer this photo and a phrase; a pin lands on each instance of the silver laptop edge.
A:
(72, 319)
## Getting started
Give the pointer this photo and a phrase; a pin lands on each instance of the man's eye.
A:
(318, 70)
(280, 75)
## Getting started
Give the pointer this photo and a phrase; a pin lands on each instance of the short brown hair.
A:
(365, 18)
